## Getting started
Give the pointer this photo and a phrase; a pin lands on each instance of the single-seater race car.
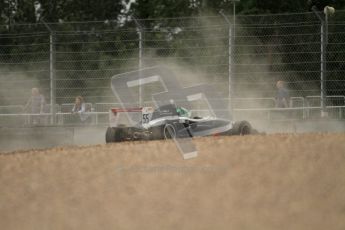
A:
(167, 122)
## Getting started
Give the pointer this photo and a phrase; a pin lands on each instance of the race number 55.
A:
(146, 118)
(146, 114)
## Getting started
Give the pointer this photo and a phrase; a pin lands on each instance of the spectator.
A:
(80, 109)
(282, 97)
(36, 104)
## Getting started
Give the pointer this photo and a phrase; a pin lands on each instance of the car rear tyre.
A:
(110, 135)
(116, 134)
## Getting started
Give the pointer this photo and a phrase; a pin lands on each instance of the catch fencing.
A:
(68, 59)
(99, 114)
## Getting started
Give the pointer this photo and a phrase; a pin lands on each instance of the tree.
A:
(82, 10)
(148, 9)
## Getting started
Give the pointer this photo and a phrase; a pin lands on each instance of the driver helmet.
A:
(182, 112)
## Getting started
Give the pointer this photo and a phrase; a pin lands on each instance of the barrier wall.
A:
(12, 139)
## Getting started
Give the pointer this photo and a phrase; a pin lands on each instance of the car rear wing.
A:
(130, 116)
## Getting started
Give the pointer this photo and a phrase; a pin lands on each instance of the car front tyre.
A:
(169, 131)
(242, 128)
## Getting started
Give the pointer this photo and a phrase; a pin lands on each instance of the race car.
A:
(168, 122)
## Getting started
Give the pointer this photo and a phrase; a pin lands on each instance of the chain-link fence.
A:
(68, 59)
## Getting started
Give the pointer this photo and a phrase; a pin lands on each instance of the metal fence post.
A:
(323, 69)
(52, 78)
(140, 56)
(39, 18)
(230, 63)
(324, 112)
(51, 73)
(323, 57)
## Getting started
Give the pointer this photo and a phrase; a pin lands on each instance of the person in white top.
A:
(35, 105)
(80, 108)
